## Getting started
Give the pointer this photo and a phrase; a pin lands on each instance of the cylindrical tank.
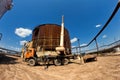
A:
(47, 36)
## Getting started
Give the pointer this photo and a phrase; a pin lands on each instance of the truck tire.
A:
(32, 62)
(65, 61)
(57, 62)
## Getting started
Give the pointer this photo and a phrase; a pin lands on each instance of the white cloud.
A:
(23, 42)
(98, 25)
(83, 44)
(73, 40)
(22, 32)
(104, 36)
(73, 46)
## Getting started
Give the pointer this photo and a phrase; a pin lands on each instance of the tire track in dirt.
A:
(106, 68)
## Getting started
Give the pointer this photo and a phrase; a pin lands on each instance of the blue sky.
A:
(83, 19)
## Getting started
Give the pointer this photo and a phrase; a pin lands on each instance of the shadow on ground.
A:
(6, 59)
(90, 60)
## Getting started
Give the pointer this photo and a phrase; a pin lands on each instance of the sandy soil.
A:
(105, 68)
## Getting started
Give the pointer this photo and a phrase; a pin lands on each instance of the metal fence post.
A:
(97, 46)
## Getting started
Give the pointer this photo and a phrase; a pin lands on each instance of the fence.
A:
(78, 50)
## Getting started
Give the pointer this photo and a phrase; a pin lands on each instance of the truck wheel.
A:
(57, 62)
(32, 62)
(65, 61)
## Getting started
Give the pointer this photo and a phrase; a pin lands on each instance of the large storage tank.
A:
(47, 36)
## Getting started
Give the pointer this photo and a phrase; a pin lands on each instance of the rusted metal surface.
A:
(5, 5)
(47, 36)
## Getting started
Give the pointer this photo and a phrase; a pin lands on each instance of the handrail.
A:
(109, 20)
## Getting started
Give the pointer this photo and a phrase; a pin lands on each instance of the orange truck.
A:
(50, 43)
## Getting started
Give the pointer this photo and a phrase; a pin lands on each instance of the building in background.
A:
(5, 5)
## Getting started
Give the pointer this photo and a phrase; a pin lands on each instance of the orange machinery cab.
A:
(29, 53)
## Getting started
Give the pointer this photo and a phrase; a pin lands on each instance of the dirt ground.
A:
(105, 68)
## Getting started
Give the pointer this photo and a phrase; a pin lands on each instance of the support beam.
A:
(97, 46)
(79, 46)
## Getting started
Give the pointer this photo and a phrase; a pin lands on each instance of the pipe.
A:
(61, 47)
(62, 33)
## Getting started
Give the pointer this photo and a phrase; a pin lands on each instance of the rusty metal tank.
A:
(47, 36)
